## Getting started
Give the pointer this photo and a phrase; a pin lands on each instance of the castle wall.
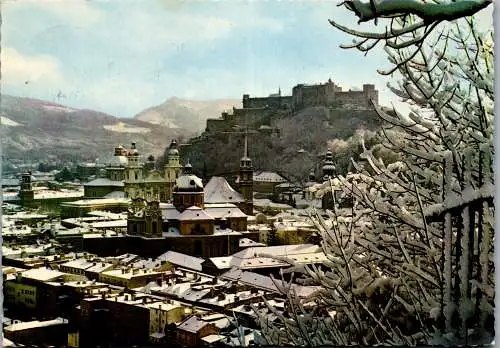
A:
(353, 97)
(263, 111)
(274, 102)
(217, 125)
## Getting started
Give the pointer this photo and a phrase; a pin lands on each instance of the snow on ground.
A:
(58, 108)
(8, 122)
(125, 128)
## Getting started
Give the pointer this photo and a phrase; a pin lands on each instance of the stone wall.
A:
(275, 102)
(264, 110)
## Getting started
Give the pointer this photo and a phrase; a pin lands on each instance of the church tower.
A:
(26, 193)
(328, 166)
(133, 174)
(188, 190)
(246, 180)
(173, 168)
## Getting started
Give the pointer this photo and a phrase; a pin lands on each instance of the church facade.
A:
(128, 176)
(185, 212)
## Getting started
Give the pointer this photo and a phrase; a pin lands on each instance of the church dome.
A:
(172, 149)
(173, 152)
(133, 151)
(189, 182)
(119, 161)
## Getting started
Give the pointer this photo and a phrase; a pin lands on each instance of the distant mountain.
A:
(187, 114)
(38, 130)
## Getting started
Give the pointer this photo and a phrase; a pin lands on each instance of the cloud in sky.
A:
(21, 69)
(121, 57)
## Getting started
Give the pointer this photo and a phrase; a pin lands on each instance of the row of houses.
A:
(127, 300)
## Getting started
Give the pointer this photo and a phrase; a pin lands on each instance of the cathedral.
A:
(128, 176)
(174, 205)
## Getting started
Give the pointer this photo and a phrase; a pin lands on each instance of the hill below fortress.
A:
(286, 134)
(300, 147)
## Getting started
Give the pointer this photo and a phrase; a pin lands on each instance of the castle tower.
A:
(26, 193)
(188, 190)
(328, 166)
(245, 181)
(133, 173)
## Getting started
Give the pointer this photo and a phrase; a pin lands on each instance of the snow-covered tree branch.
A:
(429, 11)
(411, 261)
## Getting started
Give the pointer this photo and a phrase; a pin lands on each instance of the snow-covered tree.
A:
(412, 261)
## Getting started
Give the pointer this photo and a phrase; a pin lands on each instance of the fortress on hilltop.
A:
(258, 113)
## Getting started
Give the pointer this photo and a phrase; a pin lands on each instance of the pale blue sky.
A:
(121, 57)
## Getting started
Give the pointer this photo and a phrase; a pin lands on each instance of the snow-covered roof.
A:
(192, 324)
(212, 338)
(266, 203)
(189, 181)
(115, 194)
(264, 282)
(118, 161)
(126, 258)
(10, 197)
(109, 224)
(262, 257)
(100, 267)
(224, 211)
(97, 201)
(48, 194)
(107, 214)
(169, 212)
(34, 324)
(182, 260)
(10, 182)
(194, 213)
(269, 177)
(105, 182)
(163, 306)
(247, 242)
(78, 263)
(225, 231)
(128, 274)
(218, 190)
(42, 274)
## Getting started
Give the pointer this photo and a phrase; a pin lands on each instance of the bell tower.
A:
(173, 168)
(26, 193)
(246, 179)
(133, 173)
(328, 166)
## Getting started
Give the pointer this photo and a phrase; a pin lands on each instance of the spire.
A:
(188, 168)
(246, 145)
(245, 161)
